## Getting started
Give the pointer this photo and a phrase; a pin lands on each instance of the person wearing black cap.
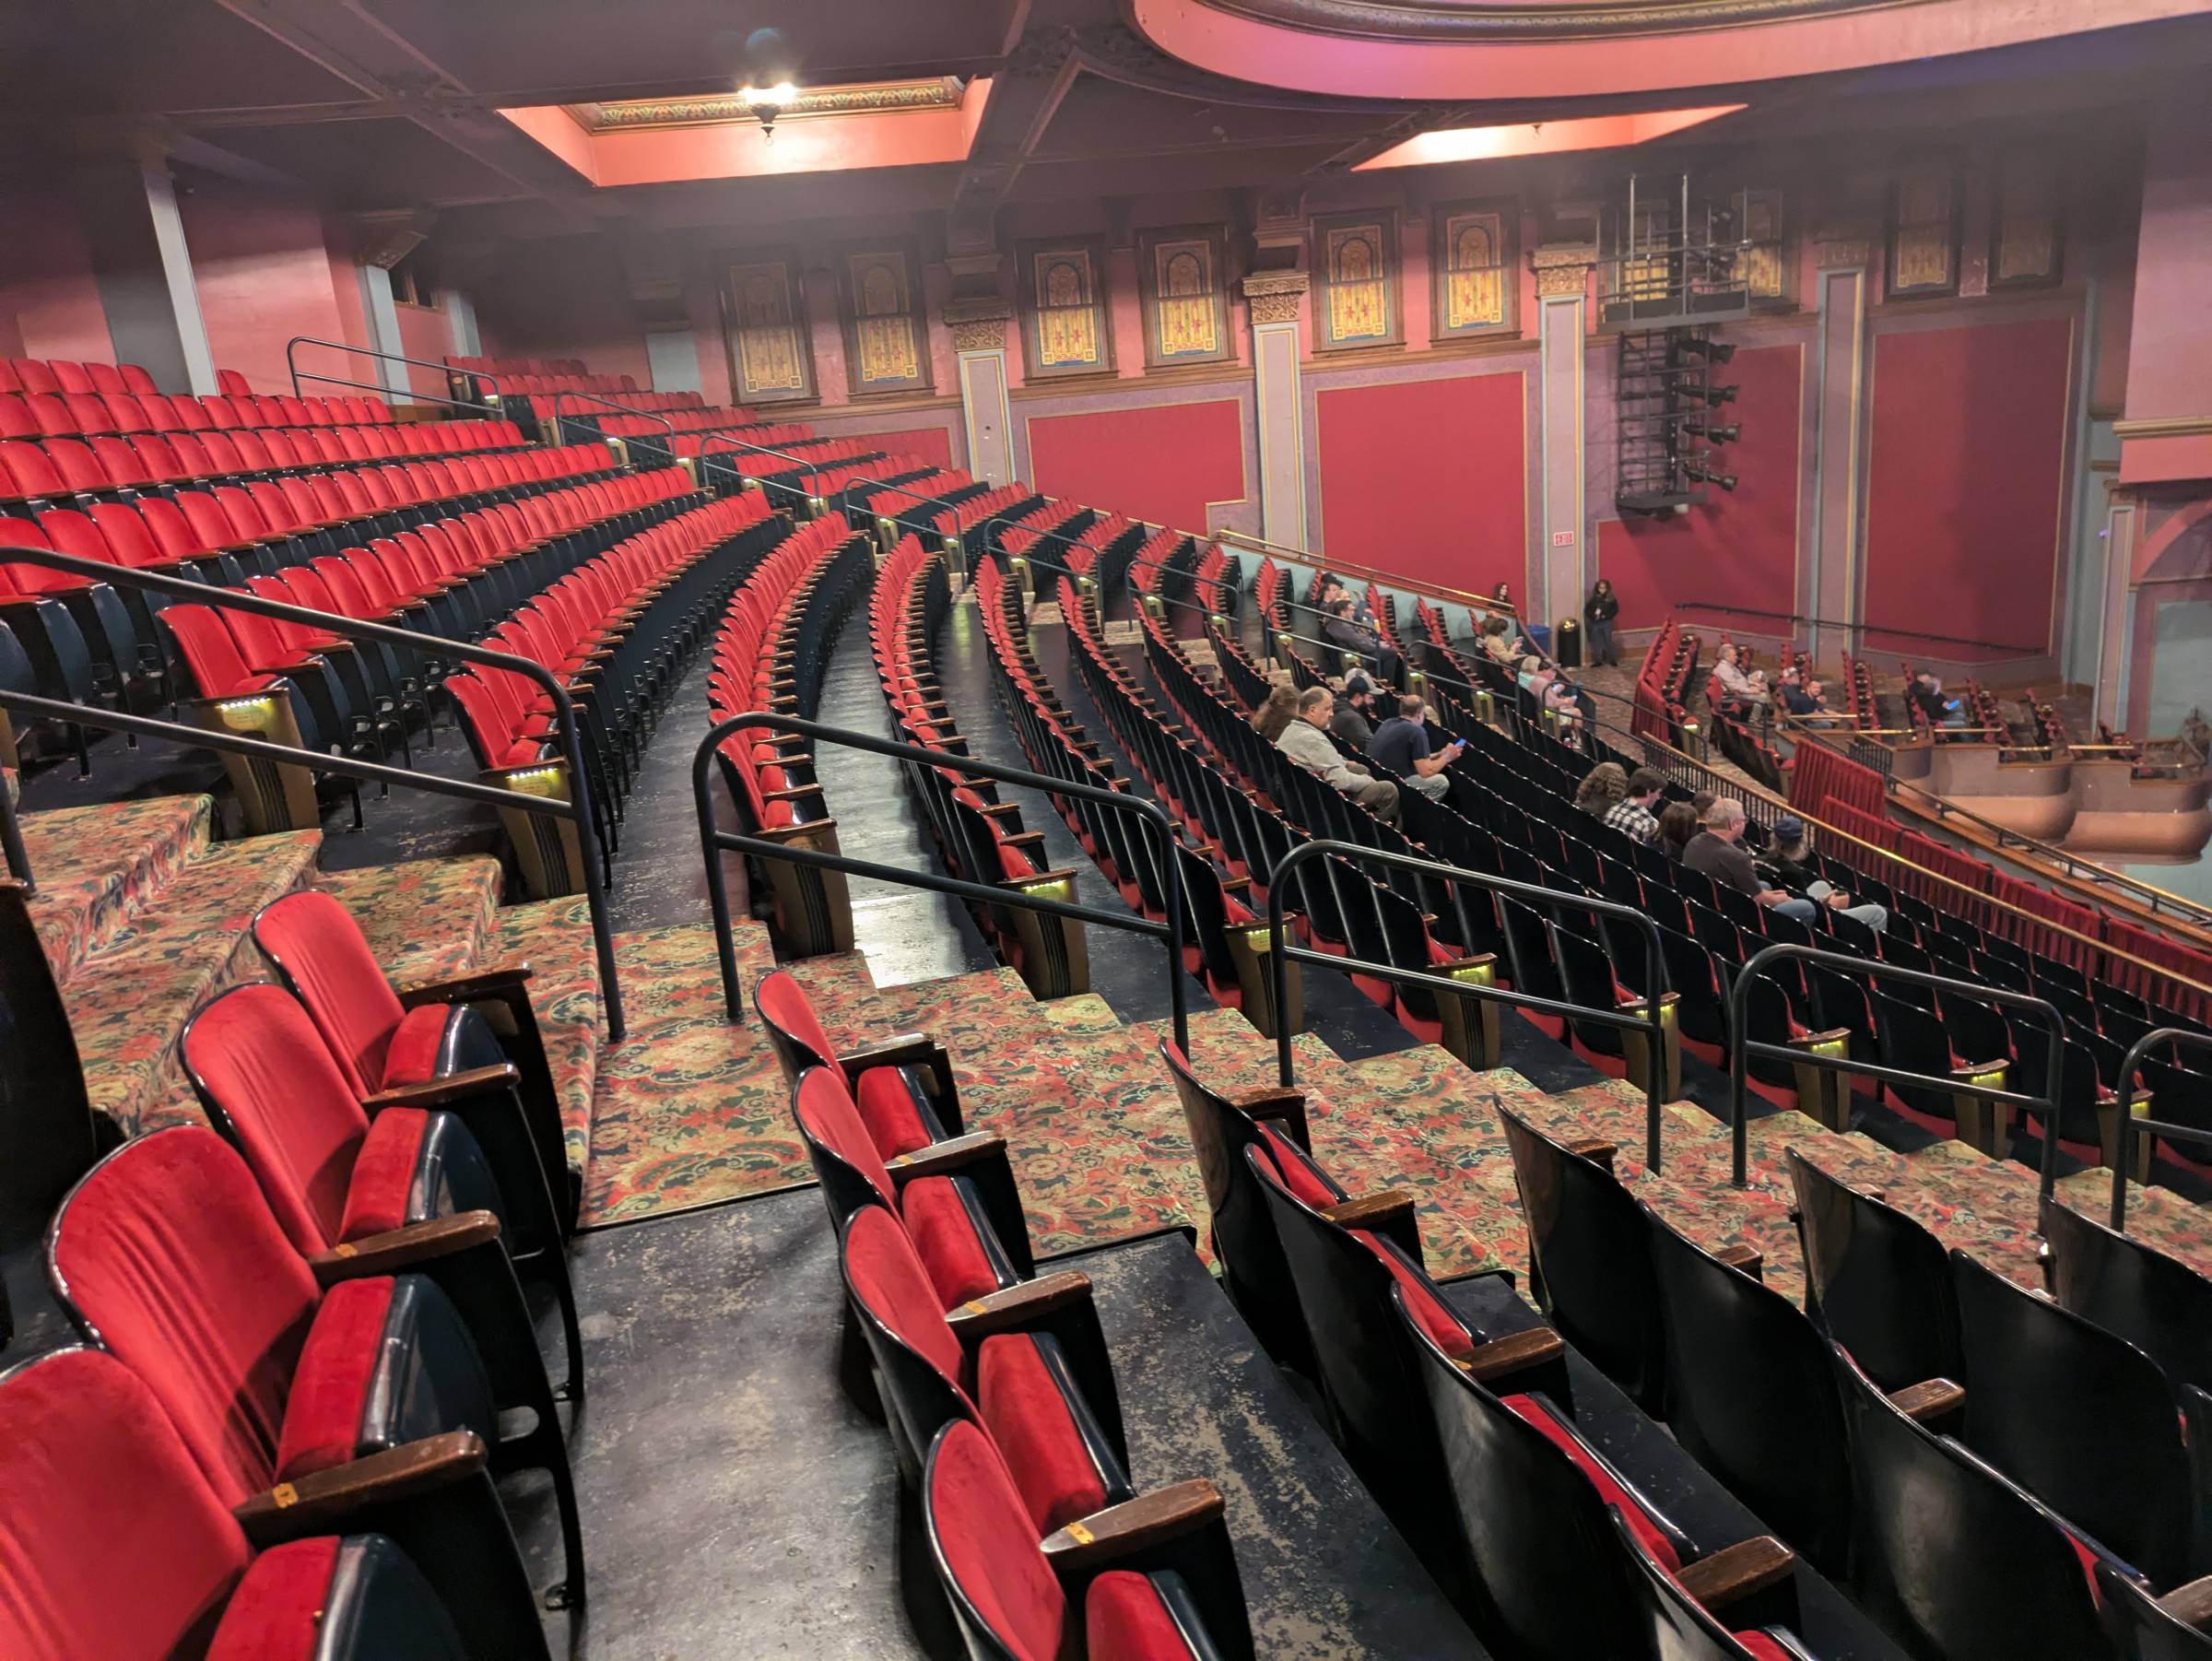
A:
(1349, 725)
(1788, 861)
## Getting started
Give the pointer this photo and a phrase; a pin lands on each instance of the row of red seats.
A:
(1016, 540)
(954, 521)
(688, 419)
(517, 366)
(62, 467)
(997, 1381)
(158, 531)
(60, 375)
(752, 671)
(78, 415)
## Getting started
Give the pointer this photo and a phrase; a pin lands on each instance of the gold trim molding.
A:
(2163, 427)
(868, 98)
(1563, 272)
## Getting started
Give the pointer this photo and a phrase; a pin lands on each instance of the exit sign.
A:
(1562, 540)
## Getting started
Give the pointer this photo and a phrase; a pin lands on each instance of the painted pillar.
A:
(979, 348)
(460, 322)
(2116, 615)
(1562, 334)
(1838, 447)
(383, 313)
(143, 269)
(1273, 298)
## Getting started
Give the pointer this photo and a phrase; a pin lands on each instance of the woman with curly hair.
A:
(1608, 782)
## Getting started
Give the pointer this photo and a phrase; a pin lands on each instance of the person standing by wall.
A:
(1598, 612)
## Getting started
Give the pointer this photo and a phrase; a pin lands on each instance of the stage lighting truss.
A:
(1667, 435)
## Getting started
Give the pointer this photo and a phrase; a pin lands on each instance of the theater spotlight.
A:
(1705, 476)
(1718, 395)
(1719, 435)
(1712, 351)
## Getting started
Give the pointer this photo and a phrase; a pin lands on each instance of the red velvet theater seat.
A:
(384, 1038)
(166, 1254)
(904, 1087)
(957, 1200)
(93, 1480)
(1029, 1365)
(1020, 1598)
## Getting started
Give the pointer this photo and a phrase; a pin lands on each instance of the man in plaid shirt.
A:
(1632, 814)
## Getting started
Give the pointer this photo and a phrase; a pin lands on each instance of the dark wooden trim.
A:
(399, 1249)
(943, 1159)
(322, 1500)
(1017, 1305)
(453, 1086)
(1931, 1398)
(1735, 1573)
(1153, 1519)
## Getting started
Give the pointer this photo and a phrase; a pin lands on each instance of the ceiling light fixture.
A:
(765, 103)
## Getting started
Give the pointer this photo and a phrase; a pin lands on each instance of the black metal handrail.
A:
(1741, 1049)
(578, 809)
(559, 432)
(2181, 1039)
(378, 352)
(1653, 1021)
(1004, 522)
(1860, 629)
(715, 841)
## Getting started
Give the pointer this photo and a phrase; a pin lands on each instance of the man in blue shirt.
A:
(1401, 744)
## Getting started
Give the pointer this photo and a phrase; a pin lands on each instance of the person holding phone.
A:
(1402, 745)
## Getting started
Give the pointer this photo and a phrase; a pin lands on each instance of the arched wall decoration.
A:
(886, 342)
(772, 352)
(1474, 274)
(1184, 292)
(1064, 327)
(1357, 302)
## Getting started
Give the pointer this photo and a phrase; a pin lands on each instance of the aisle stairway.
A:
(143, 917)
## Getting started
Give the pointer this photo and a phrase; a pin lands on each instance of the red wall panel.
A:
(1157, 462)
(1966, 482)
(933, 444)
(1738, 549)
(1428, 478)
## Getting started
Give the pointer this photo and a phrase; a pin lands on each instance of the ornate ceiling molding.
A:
(1413, 22)
(871, 98)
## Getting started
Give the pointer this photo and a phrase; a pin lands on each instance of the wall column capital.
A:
(1273, 295)
(977, 323)
(1564, 270)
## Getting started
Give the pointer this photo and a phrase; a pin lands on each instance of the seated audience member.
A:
(1805, 700)
(1306, 743)
(1562, 697)
(1349, 725)
(1788, 863)
(1498, 639)
(1344, 632)
(1632, 816)
(1402, 745)
(1678, 825)
(1602, 786)
(1746, 689)
(1925, 692)
(1333, 590)
(1598, 613)
(1277, 712)
(1719, 852)
(1533, 676)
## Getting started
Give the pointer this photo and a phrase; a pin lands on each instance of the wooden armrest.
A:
(1737, 1571)
(784, 833)
(1514, 1353)
(1748, 1258)
(1018, 1305)
(998, 809)
(1975, 1069)
(453, 1086)
(2191, 1605)
(464, 988)
(898, 1050)
(1090, 1543)
(1372, 1212)
(1277, 1102)
(1594, 1148)
(1024, 840)
(943, 1159)
(397, 1250)
(1235, 885)
(791, 795)
(1930, 1399)
(321, 1500)
(1813, 1040)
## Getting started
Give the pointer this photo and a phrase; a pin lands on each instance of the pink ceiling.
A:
(1470, 49)
(738, 149)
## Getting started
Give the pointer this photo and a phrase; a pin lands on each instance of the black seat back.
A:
(1875, 1281)
(1590, 1262)
(2080, 1418)
(1950, 1558)
(1752, 1393)
(1679, 1627)
(2157, 1303)
(2140, 1630)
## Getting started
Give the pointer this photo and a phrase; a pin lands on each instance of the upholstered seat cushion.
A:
(359, 1598)
(895, 1111)
(955, 1242)
(1029, 1405)
(1434, 1316)
(1126, 1618)
(414, 1166)
(1657, 1542)
(386, 1361)
(413, 1055)
(1299, 1173)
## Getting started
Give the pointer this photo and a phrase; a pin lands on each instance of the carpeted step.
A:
(129, 1000)
(554, 936)
(94, 866)
(426, 919)
(2171, 1222)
